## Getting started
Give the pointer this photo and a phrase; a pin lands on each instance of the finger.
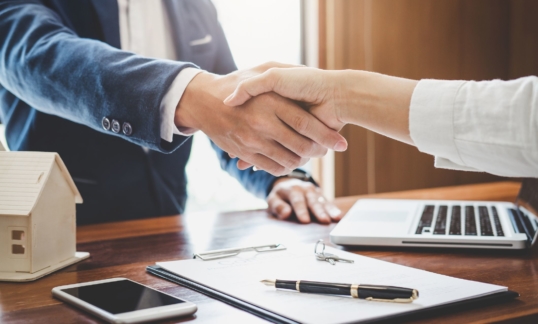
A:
(334, 212)
(275, 78)
(264, 163)
(272, 64)
(309, 126)
(283, 134)
(300, 145)
(242, 165)
(251, 87)
(231, 156)
(315, 204)
(258, 84)
(281, 155)
(298, 202)
(279, 207)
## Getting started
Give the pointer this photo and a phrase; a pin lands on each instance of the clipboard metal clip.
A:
(225, 253)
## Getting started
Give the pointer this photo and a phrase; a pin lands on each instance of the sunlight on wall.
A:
(262, 30)
(257, 31)
(211, 188)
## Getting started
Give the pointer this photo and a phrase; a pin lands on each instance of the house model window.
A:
(17, 249)
(18, 241)
(17, 235)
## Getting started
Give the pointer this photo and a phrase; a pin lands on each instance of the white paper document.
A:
(240, 277)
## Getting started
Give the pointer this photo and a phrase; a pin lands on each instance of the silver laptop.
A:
(443, 223)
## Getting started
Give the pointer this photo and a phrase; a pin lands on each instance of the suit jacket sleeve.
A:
(48, 66)
(258, 183)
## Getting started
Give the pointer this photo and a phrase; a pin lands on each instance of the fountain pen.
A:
(368, 292)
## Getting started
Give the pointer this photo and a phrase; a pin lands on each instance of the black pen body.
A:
(315, 287)
(368, 292)
(383, 293)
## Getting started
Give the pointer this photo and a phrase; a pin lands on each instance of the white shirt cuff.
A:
(169, 104)
(431, 122)
(447, 164)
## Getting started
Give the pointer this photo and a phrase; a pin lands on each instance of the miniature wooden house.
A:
(37, 215)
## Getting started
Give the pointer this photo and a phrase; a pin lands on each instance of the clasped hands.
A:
(272, 123)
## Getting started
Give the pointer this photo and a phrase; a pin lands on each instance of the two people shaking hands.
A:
(471, 126)
(117, 87)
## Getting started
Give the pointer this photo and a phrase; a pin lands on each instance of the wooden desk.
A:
(124, 249)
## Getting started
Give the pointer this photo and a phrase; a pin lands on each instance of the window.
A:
(17, 246)
(257, 32)
(17, 235)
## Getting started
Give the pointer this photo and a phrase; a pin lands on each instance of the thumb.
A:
(251, 87)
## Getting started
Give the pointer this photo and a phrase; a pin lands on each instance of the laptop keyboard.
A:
(528, 223)
(450, 222)
(497, 221)
(440, 223)
(455, 222)
(485, 225)
(426, 219)
(470, 221)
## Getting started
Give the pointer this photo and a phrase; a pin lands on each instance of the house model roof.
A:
(23, 176)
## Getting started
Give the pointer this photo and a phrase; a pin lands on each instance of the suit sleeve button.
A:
(127, 129)
(105, 123)
(116, 126)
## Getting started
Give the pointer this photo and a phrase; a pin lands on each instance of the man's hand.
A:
(269, 132)
(302, 198)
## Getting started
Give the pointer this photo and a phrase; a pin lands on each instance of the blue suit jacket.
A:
(61, 72)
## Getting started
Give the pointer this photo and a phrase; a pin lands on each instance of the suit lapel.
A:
(108, 14)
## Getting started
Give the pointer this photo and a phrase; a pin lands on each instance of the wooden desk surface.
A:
(124, 249)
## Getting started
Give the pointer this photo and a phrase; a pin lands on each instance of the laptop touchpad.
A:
(381, 222)
(382, 216)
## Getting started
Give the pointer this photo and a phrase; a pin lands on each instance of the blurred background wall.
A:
(443, 39)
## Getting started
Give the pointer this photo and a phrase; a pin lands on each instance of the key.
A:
(339, 259)
(325, 257)
(332, 258)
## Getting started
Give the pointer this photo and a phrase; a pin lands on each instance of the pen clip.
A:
(397, 300)
(225, 253)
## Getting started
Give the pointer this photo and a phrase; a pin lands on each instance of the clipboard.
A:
(274, 316)
(215, 294)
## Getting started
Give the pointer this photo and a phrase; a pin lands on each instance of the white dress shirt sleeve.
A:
(489, 126)
(169, 104)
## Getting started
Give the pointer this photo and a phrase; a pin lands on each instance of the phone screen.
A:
(122, 296)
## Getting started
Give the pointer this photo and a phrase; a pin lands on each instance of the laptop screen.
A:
(528, 199)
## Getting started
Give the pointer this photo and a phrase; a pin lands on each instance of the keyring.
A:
(316, 247)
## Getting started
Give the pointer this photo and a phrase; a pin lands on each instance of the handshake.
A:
(276, 116)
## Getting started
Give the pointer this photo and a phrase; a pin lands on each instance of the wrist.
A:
(193, 101)
(297, 174)
(353, 96)
(378, 102)
(280, 180)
